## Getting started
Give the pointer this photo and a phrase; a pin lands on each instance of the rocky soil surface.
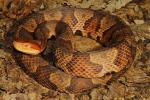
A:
(133, 85)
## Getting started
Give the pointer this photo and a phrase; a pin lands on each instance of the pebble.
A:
(148, 46)
(84, 97)
(64, 96)
(138, 21)
(148, 62)
(2, 53)
(96, 95)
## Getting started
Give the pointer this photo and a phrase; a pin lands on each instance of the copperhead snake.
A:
(74, 71)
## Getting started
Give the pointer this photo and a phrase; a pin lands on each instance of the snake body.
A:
(75, 71)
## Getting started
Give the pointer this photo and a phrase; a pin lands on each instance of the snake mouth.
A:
(27, 47)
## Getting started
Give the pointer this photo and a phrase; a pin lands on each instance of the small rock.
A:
(96, 95)
(148, 62)
(116, 90)
(64, 96)
(148, 28)
(9, 96)
(84, 97)
(148, 46)
(136, 75)
(17, 96)
(21, 96)
(2, 53)
(42, 6)
(2, 34)
(19, 85)
(136, 8)
(34, 96)
(139, 21)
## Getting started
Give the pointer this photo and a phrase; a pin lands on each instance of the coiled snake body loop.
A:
(81, 70)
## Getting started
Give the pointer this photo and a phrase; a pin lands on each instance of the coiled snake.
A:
(74, 71)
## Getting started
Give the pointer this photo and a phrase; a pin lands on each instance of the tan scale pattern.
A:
(69, 18)
(62, 80)
(82, 18)
(54, 14)
(80, 65)
(124, 55)
(105, 58)
(62, 58)
(91, 25)
(106, 23)
(30, 61)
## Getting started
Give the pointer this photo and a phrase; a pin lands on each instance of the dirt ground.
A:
(132, 85)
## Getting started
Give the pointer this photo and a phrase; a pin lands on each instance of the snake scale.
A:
(74, 71)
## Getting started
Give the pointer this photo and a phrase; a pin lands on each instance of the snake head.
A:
(31, 48)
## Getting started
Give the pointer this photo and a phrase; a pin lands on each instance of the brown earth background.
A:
(133, 85)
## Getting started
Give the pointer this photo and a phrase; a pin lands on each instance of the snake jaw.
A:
(27, 48)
